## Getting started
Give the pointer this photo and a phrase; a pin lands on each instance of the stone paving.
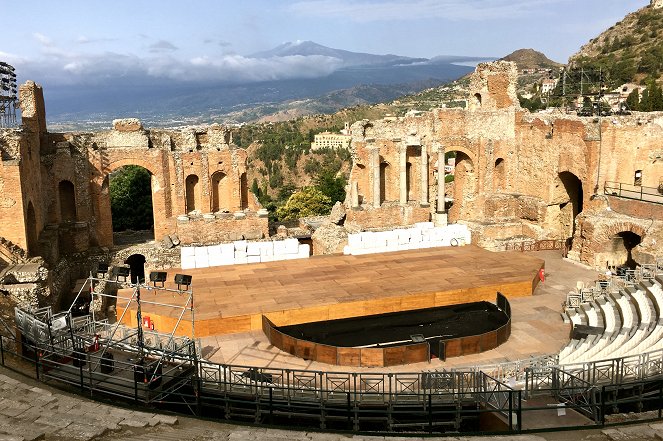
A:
(34, 411)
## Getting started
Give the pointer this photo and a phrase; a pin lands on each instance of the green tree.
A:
(309, 201)
(633, 100)
(255, 189)
(655, 96)
(131, 199)
(331, 185)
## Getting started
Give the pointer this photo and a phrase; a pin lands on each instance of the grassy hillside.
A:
(629, 51)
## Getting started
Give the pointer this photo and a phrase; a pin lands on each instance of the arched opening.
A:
(31, 230)
(477, 100)
(191, 189)
(461, 191)
(384, 173)
(136, 264)
(570, 204)
(499, 175)
(130, 190)
(243, 192)
(220, 201)
(629, 240)
(67, 199)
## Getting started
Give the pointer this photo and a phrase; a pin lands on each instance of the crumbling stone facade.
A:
(54, 187)
(518, 175)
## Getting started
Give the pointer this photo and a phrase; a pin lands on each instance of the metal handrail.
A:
(635, 192)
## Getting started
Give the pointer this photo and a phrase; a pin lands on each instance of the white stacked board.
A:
(242, 251)
(422, 235)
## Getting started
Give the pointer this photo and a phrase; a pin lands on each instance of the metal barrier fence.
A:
(637, 192)
(393, 402)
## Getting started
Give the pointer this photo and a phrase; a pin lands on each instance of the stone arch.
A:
(67, 201)
(477, 100)
(459, 148)
(192, 193)
(119, 218)
(499, 174)
(220, 192)
(620, 244)
(570, 204)
(32, 235)
(465, 183)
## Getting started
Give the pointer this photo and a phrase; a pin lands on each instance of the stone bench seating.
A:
(634, 340)
(584, 353)
(632, 321)
(625, 308)
(642, 304)
(655, 291)
(649, 342)
(590, 314)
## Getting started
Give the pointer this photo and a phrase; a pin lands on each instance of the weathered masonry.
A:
(55, 186)
(596, 183)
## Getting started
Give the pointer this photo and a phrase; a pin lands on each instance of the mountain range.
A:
(361, 79)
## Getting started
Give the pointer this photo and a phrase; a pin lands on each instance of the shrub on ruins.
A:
(309, 201)
(131, 199)
(331, 185)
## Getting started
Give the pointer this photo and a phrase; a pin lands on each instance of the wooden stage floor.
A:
(232, 299)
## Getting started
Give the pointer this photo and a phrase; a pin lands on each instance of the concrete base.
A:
(440, 219)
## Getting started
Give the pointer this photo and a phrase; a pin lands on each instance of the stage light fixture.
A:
(182, 279)
(122, 271)
(158, 277)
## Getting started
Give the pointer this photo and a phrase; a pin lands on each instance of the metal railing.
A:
(636, 192)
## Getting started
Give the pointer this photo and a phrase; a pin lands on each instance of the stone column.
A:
(440, 213)
(354, 194)
(403, 174)
(375, 168)
(424, 176)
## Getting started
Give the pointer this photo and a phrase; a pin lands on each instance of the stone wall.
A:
(518, 175)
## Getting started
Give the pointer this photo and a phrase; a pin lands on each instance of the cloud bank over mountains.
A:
(64, 67)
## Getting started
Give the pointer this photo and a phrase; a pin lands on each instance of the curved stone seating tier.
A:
(625, 308)
(651, 341)
(642, 304)
(591, 314)
(611, 320)
(632, 325)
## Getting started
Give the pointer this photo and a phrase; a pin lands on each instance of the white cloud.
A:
(43, 40)
(113, 68)
(375, 10)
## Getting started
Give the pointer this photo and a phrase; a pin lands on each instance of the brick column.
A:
(440, 214)
(424, 176)
(354, 194)
(375, 168)
(403, 174)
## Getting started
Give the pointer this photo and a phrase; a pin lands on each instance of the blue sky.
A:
(72, 42)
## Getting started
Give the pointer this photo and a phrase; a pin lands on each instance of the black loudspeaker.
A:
(182, 279)
(107, 363)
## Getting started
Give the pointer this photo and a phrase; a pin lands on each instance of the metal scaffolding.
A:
(8, 95)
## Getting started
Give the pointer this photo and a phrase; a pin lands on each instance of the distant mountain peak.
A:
(531, 59)
(309, 48)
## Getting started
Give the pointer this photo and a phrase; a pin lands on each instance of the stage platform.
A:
(233, 299)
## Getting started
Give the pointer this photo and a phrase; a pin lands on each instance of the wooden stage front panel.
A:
(233, 299)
